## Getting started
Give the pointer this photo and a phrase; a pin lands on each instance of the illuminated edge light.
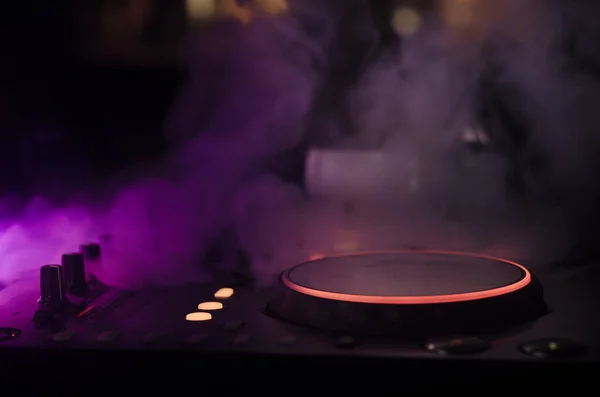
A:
(412, 300)
(210, 306)
(86, 311)
(198, 316)
(224, 293)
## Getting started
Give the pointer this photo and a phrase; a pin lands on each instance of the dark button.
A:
(151, 338)
(288, 340)
(233, 325)
(462, 345)
(345, 342)
(196, 339)
(108, 336)
(9, 333)
(47, 319)
(63, 336)
(553, 348)
(241, 339)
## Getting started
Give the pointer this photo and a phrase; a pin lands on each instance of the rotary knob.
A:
(51, 287)
(73, 268)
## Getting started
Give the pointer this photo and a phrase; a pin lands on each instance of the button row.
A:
(559, 348)
(240, 339)
(222, 294)
(553, 348)
(153, 338)
(540, 348)
(468, 345)
(547, 348)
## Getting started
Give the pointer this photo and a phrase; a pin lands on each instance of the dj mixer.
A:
(432, 312)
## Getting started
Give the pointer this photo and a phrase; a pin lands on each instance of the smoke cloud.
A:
(252, 106)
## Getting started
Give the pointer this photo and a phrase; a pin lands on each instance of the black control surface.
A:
(227, 316)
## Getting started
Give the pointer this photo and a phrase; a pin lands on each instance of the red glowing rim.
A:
(413, 300)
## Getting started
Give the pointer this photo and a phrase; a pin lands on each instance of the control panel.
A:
(66, 307)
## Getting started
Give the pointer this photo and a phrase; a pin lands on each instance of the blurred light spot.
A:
(210, 306)
(242, 13)
(460, 14)
(470, 135)
(316, 257)
(198, 316)
(200, 10)
(475, 135)
(273, 7)
(204, 10)
(224, 293)
(406, 21)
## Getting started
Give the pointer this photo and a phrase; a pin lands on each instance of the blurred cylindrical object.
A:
(360, 175)
(74, 274)
(51, 286)
(91, 251)
(92, 255)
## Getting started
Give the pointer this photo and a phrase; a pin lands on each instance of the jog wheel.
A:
(420, 293)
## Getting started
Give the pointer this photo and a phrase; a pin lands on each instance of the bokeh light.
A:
(474, 19)
(459, 13)
(200, 10)
(406, 21)
(273, 7)
(206, 10)
(235, 10)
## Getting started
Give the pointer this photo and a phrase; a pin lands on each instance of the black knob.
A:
(91, 251)
(73, 268)
(51, 287)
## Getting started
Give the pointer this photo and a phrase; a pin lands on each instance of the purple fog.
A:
(257, 93)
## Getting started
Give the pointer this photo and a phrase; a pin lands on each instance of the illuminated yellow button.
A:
(224, 293)
(198, 316)
(210, 306)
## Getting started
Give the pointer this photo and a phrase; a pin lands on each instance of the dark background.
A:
(72, 112)
(81, 99)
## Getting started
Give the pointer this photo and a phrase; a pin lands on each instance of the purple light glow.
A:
(218, 188)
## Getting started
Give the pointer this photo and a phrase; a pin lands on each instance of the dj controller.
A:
(416, 313)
